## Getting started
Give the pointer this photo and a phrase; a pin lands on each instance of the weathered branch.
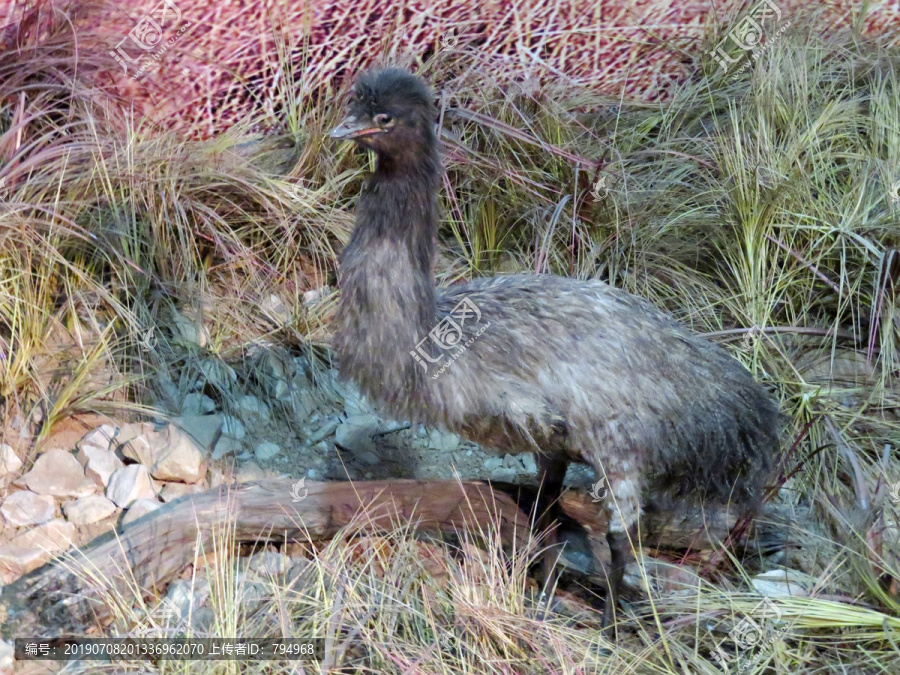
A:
(77, 590)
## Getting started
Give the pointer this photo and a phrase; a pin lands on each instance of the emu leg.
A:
(552, 471)
(620, 553)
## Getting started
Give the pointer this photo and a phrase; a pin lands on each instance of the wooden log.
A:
(75, 591)
(72, 592)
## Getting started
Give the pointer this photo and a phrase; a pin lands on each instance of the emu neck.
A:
(387, 288)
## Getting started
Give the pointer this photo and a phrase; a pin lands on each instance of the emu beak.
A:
(352, 128)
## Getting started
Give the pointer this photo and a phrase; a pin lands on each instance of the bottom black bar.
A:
(170, 649)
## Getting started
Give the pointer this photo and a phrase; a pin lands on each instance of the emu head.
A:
(392, 113)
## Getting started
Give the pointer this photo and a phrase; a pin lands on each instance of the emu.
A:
(571, 370)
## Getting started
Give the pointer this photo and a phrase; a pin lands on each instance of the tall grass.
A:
(762, 211)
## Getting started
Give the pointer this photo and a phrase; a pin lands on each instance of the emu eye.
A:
(382, 119)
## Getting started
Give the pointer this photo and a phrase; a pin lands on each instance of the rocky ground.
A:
(274, 415)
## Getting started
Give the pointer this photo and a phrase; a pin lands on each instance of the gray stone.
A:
(504, 474)
(218, 373)
(267, 563)
(170, 454)
(225, 446)
(325, 431)
(233, 428)
(27, 508)
(356, 433)
(252, 409)
(130, 484)
(189, 331)
(367, 457)
(493, 463)
(443, 441)
(196, 404)
(273, 369)
(205, 429)
(266, 451)
(57, 473)
(90, 509)
(140, 508)
(185, 596)
(99, 463)
(528, 463)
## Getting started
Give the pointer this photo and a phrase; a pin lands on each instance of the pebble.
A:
(27, 508)
(90, 509)
(130, 484)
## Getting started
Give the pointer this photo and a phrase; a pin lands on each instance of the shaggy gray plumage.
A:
(576, 370)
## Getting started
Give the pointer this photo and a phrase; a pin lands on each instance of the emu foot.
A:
(620, 554)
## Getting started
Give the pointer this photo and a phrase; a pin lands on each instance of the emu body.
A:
(572, 370)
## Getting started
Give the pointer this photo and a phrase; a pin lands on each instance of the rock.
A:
(305, 402)
(233, 428)
(27, 508)
(218, 373)
(268, 563)
(57, 473)
(130, 484)
(356, 404)
(205, 429)
(367, 458)
(313, 297)
(266, 451)
(225, 446)
(324, 432)
(103, 437)
(188, 331)
(273, 370)
(504, 475)
(215, 476)
(9, 461)
(196, 404)
(275, 309)
(783, 583)
(356, 433)
(252, 409)
(185, 596)
(172, 491)
(90, 509)
(140, 508)
(529, 463)
(99, 463)
(443, 441)
(493, 463)
(170, 454)
(33, 548)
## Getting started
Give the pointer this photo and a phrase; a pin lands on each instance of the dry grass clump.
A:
(762, 210)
